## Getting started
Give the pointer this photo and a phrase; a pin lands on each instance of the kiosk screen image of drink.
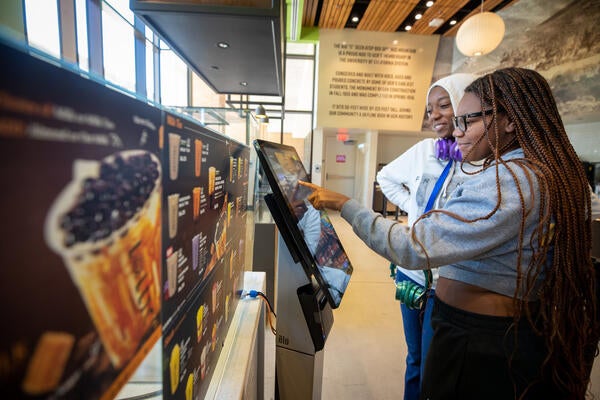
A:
(326, 260)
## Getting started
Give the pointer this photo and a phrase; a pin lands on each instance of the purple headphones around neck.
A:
(447, 149)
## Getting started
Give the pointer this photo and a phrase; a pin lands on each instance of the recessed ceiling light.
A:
(244, 83)
(355, 19)
(223, 45)
(407, 28)
(429, 3)
(418, 16)
(453, 22)
(394, 42)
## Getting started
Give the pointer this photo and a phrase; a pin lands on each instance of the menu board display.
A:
(81, 232)
(121, 223)
(205, 197)
(191, 350)
(205, 192)
(195, 210)
(235, 252)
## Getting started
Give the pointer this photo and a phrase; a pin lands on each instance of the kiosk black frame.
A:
(308, 233)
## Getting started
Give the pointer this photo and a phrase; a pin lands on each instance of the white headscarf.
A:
(455, 85)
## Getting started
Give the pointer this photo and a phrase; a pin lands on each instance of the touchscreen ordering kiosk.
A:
(313, 273)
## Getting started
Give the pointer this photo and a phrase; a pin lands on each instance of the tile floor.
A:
(365, 351)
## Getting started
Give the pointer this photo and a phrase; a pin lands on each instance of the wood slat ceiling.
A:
(385, 15)
(388, 15)
(443, 9)
(335, 13)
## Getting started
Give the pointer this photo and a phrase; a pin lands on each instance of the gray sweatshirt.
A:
(481, 253)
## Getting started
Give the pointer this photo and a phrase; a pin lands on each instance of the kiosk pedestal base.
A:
(304, 319)
(294, 378)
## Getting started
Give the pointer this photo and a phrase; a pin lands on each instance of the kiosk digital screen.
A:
(317, 244)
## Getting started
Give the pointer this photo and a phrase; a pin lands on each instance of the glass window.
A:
(150, 51)
(203, 95)
(266, 133)
(299, 87)
(299, 82)
(122, 7)
(296, 132)
(41, 18)
(298, 125)
(236, 129)
(173, 79)
(264, 99)
(301, 148)
(82, 39)
(118, 49)
(303, 49)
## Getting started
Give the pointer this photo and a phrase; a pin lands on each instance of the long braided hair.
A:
(562, 242)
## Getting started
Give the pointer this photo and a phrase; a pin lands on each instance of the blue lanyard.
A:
(437, 187)
(429, 206)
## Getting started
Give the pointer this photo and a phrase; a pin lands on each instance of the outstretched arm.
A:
(325, 198)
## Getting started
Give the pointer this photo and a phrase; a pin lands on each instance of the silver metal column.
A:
(299, 365)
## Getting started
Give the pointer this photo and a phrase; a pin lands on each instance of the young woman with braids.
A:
(409, 181)
(515, 309)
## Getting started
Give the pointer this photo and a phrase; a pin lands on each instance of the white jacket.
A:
(409, 180)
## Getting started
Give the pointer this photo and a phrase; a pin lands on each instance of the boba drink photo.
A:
(174, 149)
(105, 224)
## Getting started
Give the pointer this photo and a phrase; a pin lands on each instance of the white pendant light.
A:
(480, 34)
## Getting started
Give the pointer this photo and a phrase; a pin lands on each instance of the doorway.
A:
(340, 166)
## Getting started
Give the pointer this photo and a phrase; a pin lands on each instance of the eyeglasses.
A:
(461, 122)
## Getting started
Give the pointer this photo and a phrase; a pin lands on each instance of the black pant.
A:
(474, 356)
